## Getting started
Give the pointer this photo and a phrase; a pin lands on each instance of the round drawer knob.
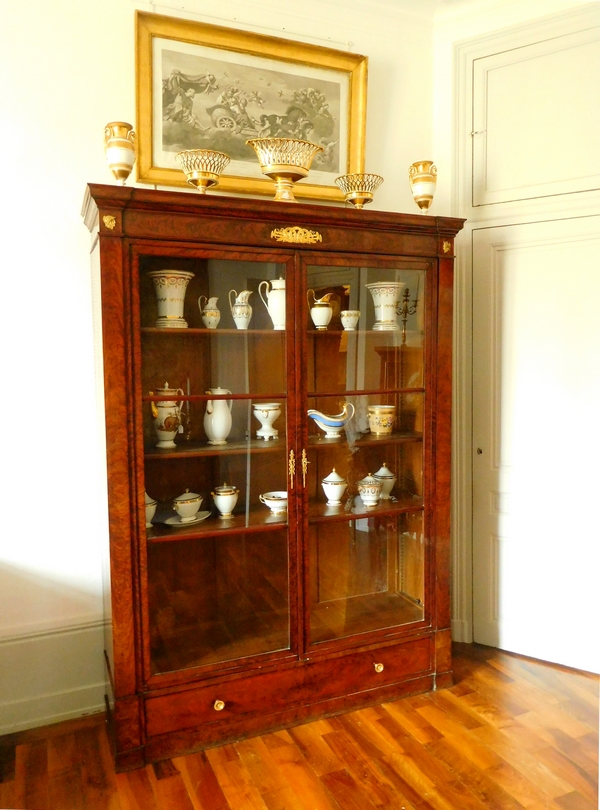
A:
(378, 667)
(219, 705)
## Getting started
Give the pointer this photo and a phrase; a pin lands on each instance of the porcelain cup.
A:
(349, 318)
(381, 419)
(276, 501)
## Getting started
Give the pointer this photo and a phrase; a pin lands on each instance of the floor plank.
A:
(511, 733)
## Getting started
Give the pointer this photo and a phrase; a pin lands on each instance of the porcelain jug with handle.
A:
(209, 311)
(217, 419)
(166, 415)
(274, 300)
(241, 308)
(321, 310)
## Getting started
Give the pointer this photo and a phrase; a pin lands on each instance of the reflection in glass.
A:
(217, 599)
(366, 575)
(217, 588)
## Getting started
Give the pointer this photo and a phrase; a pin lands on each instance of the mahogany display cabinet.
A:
(226, 627)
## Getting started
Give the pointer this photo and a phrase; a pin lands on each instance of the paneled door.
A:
(536, 398)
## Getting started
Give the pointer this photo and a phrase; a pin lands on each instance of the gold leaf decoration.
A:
(297, 235)
(446, 246)
(109, 222)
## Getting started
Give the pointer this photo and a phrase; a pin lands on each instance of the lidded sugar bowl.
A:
(369, 489)
(187, 505)
(225, 499)
(387, 478)
(334, 487)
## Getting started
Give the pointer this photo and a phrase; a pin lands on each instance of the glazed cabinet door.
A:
(217, 565)
(367, 418)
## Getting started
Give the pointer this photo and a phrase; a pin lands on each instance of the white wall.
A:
(465, 30)
(71, 69)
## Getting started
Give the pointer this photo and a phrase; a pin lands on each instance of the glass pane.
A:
(214, 414)
(365, 402)
(366, 574)
(385, 349)
(359, 452)
(217, 598)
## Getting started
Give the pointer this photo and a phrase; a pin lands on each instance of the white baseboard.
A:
(47, 677)
(461, 631)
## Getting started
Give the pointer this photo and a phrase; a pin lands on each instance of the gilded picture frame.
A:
(206, 86)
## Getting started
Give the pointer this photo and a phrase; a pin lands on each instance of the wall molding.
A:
(70, 684)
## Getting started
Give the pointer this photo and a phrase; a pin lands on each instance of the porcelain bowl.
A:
(276, 501)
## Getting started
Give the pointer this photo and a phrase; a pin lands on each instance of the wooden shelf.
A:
(257, 519)
(319, 512)
(196, 449)
(361, 614)
(350, 332)
(365, 440)
(192, 330)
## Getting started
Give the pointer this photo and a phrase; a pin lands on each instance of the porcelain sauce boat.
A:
(332, 425)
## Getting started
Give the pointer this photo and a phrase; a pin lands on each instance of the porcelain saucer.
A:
(177, 522)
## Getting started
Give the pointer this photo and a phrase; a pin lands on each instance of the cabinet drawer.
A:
(274, 692)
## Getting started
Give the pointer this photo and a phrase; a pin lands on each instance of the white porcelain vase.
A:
(274, 300)
(170, 287)
(217, 418)
(386, 298)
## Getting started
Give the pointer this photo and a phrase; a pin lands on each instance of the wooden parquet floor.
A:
(511, 733)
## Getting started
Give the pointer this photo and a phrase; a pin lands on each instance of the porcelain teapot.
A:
(209, 311)
(274, 300)
(217, 418)
(320, 310)
(240, 308)
(167, 415)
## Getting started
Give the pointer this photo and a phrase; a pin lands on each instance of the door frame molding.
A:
(489, 216)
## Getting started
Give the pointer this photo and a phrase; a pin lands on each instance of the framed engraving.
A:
(208, 87)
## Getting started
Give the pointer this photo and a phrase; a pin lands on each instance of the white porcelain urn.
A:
(274, 300)
(217, 418)
(167, 415)
(267, 413)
